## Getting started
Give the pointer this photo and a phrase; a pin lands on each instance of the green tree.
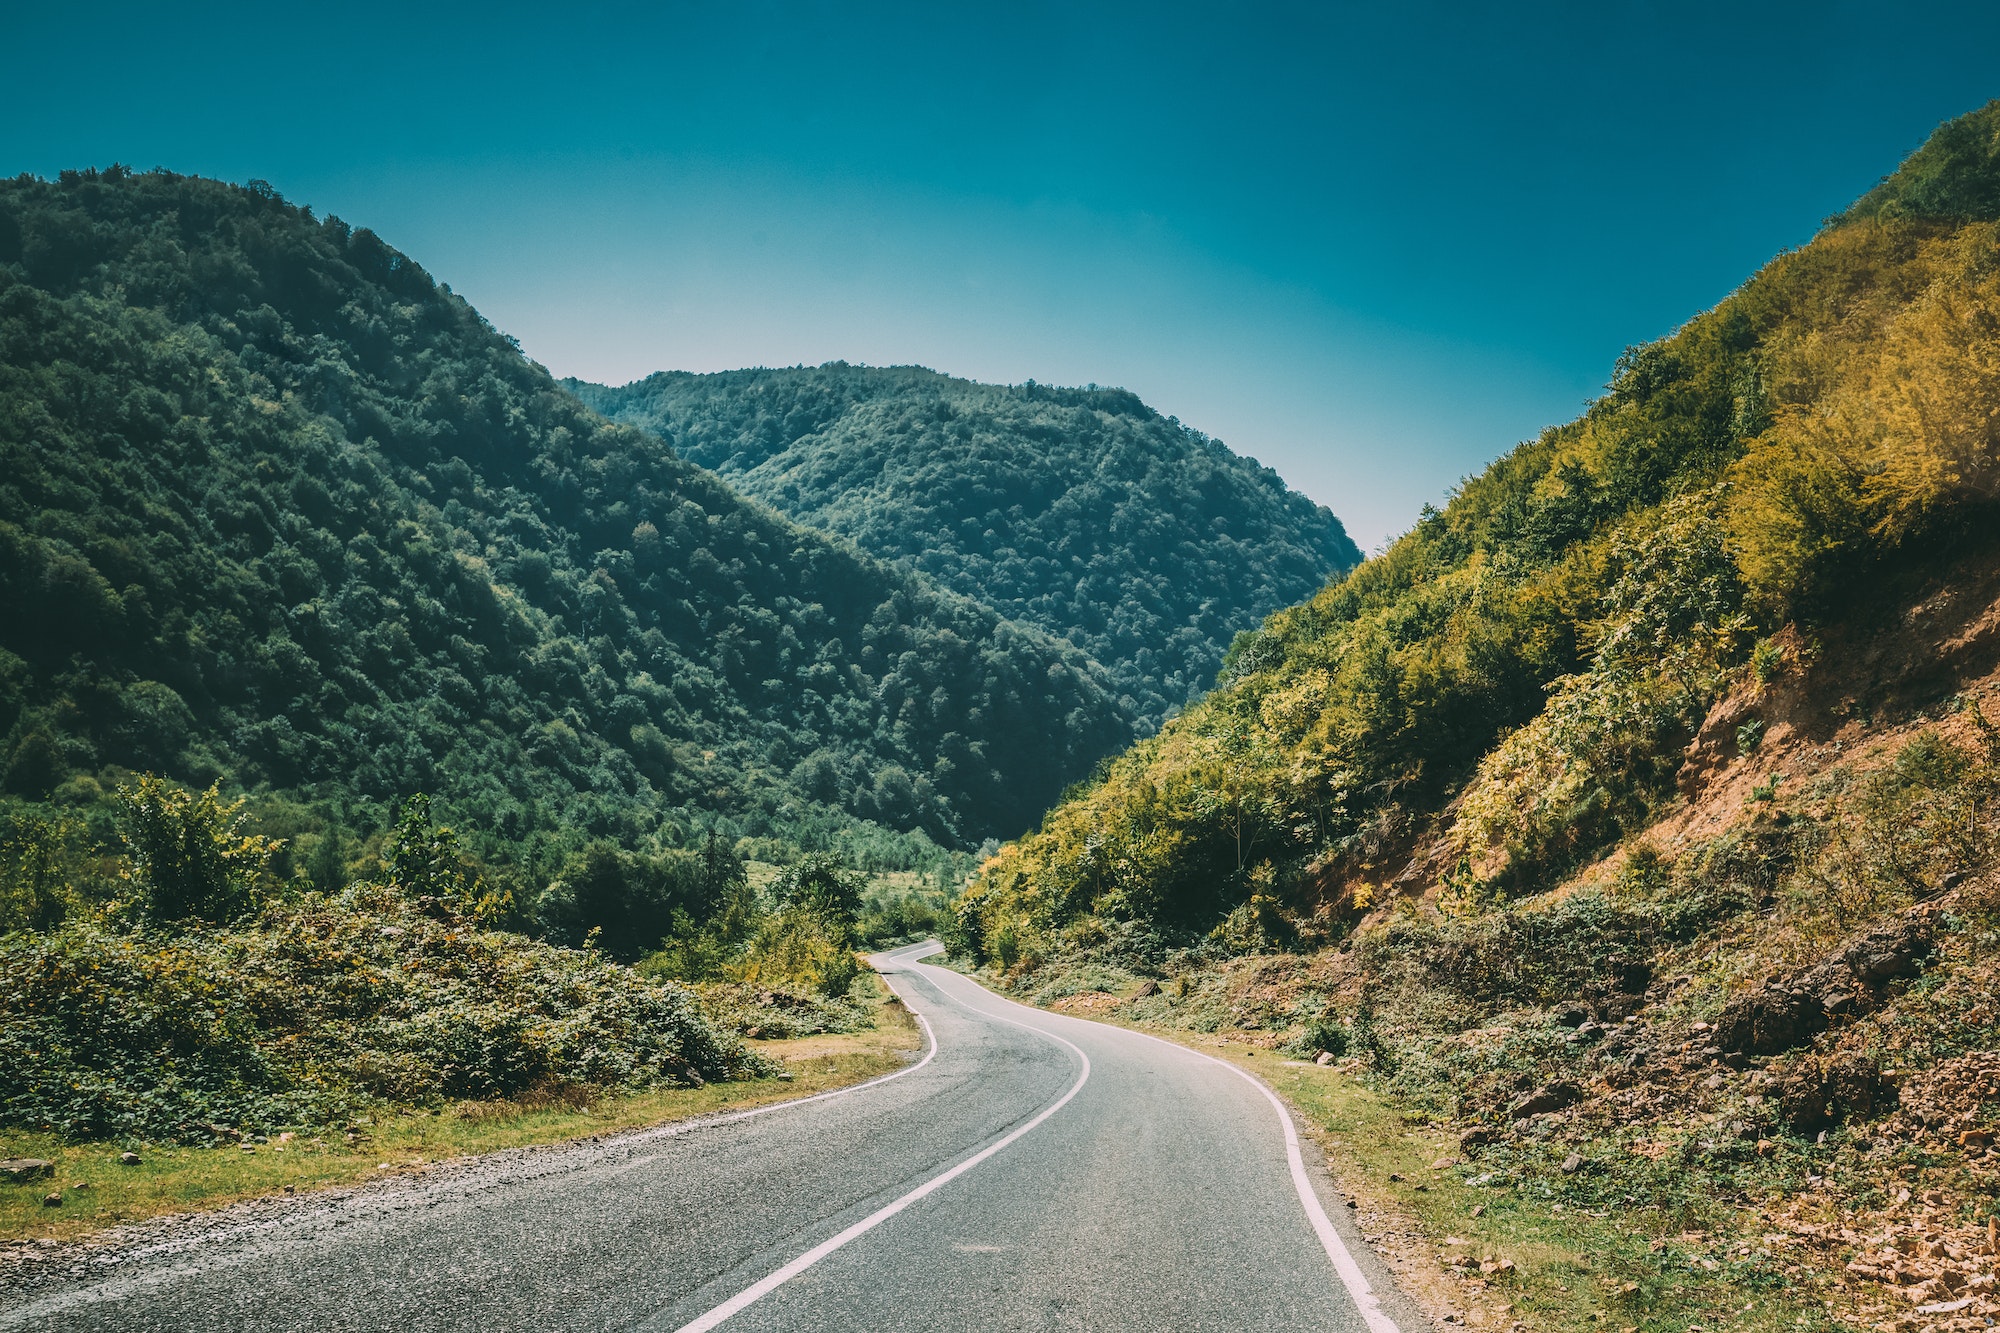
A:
(189, 856)
(820, 884)
(34, 889)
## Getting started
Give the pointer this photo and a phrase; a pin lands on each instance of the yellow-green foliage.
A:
(1546, 641)
(188, 853)
(799, 949)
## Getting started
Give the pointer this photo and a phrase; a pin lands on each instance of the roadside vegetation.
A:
(100, 1190)
(170, 994)
(1624, 839)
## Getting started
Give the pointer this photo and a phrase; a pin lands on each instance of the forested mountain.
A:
(1518, 676)
(1083, 511)
(276, 506)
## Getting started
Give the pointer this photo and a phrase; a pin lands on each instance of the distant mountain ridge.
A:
(1078, 510)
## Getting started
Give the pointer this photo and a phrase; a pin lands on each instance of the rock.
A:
(1769, 1021)
(1323, 1058)
(1945, 1307)
(20, 1170)
(1572, 1164)
(1854, 1086)
(1801, 1095)
(1476, 1136)
(1571, 1015)
(1549, 1097)
(1889, 952)
(129, 1159)
(1147, 989)
(52, 1200)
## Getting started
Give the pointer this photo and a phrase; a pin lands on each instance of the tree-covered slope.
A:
(276, 506)
(1082, 511)
(1512, 685)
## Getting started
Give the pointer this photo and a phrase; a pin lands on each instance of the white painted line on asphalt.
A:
(709, 1122)
(736, 1304)
(1366, 1302)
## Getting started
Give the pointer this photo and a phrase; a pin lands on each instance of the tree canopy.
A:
(278, 507)
(1083, 512)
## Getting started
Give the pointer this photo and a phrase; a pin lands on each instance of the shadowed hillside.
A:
(276, 506)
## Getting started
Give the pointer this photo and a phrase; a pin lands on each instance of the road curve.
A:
(1034, 1172)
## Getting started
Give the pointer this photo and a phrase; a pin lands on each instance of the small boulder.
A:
(1542, 1100)
(1801, 1094)
(1768, 1021)
(53, 1200)
(20, 1170)
(1147, 989)
(1323, 1058)
(1475, 1137)
(1854, 1086)
(1889, 952)
(1572, 1164)
(130, 1159)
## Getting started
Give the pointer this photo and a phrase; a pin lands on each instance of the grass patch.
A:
(182, 1179)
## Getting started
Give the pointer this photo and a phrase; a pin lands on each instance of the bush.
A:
(322, 1006)
(1321, 1034)
(798, 949)
(190, 859)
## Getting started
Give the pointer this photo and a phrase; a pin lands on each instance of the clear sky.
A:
(1371, 245)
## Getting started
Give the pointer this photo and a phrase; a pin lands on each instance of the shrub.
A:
(799, 949)
(190, 858)
(321, 1007)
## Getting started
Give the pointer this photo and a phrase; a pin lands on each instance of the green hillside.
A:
(278, 508)
(1510, 687)
(1082, 511)
(1616, 858)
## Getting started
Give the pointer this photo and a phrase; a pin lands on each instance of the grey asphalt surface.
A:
(1159, 1198)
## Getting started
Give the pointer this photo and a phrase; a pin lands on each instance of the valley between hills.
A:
(408, 755)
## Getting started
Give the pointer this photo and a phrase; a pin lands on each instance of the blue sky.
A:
(1373, 246)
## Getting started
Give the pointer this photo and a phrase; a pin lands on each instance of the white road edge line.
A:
(753, 1294)
(1366, 1302)
(706, 1122)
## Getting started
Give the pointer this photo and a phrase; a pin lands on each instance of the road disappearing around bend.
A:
(1029, 1171)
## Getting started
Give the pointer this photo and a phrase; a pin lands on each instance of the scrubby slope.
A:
(276, 505)
(1524, 669)
(1633, 821)
(1081, 511)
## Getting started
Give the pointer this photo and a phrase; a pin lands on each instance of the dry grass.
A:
(98, 1192)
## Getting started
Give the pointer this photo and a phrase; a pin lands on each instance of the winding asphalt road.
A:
(1032, 1171)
